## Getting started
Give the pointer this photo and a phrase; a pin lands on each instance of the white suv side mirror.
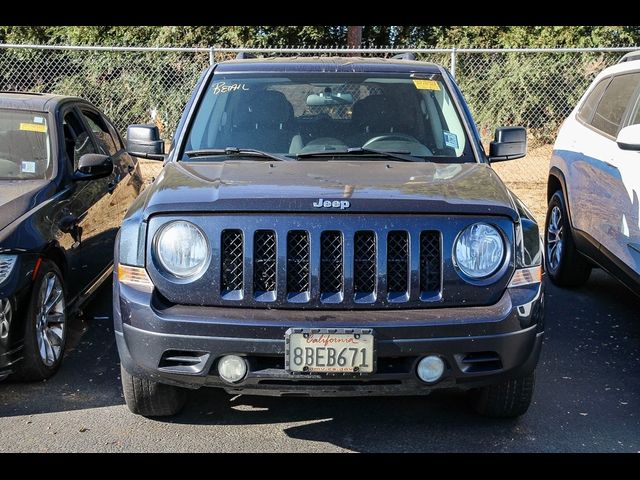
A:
(629, 138)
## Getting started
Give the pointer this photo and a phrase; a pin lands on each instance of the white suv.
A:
(593, 217)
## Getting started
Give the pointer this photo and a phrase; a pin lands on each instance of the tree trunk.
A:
(354, 37)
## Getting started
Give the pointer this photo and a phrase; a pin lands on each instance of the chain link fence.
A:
(535, 88)
(129, 85)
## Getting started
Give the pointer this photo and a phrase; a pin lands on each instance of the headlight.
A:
(182, 249)
(7, 262)
(479, 250)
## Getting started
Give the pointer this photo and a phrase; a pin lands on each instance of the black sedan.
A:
(65, 183)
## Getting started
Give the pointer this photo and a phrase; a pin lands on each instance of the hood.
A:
(350, 187)
(17, 197)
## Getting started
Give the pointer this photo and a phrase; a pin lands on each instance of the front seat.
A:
(263, 122)
(372, 116)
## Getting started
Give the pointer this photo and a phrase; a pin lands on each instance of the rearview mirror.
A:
(92, 166)
(329, 99)
(509, 143)
(144, 141)
(629, 138)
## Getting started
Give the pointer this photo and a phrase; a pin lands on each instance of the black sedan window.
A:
(25, 147)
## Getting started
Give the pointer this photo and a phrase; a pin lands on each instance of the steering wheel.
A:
(391, 137)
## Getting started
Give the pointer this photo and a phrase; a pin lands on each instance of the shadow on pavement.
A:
(367, 424)
(89, 375)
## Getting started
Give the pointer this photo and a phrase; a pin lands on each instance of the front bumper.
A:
(480, 345)
(17, 288)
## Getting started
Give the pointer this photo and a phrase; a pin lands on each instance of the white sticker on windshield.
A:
(28, 167)
(38, 120)
(450, 139)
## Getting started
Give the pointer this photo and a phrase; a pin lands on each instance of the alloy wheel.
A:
(555, 239)
(50, 319)
(5, 317)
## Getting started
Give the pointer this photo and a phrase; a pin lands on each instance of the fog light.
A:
(430, 368)
(232, 368)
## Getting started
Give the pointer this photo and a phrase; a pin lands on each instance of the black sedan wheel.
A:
(45, 329)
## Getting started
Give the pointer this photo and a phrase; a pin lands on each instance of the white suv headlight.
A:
(7, 262)
(182, 249)
(479, 250)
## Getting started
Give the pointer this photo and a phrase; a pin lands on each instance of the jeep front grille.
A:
(344, 267)
(330, 261)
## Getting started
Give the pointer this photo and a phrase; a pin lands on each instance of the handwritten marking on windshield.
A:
(222, 87)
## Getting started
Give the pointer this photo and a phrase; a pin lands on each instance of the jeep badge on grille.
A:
(341, 204)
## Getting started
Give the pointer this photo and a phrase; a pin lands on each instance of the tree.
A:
(354, 37)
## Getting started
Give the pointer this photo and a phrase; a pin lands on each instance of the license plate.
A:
(329, 350)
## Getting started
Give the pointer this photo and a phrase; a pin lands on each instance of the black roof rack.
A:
(629, 57)
(244, 55)
(405, 56)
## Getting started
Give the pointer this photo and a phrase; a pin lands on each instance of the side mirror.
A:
(509, 143)
(629, 138)
(92, 166)
(144, 141)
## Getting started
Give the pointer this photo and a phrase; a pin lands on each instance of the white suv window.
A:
(634, 118)
(589, 106)
(609, 114)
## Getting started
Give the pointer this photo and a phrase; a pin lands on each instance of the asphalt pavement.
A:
(587, 399)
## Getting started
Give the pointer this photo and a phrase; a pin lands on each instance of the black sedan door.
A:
(126, 183)
(86, 237)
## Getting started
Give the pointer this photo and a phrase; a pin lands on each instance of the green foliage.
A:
(327, 35)
(535, 90)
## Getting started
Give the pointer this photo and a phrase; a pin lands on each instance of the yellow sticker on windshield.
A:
(33, 127)
(426, 84)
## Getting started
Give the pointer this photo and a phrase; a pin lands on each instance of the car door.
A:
(83, 231)
(126, 182)
(624, 173)
(604, 206)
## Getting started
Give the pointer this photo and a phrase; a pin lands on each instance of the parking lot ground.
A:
(587, 399)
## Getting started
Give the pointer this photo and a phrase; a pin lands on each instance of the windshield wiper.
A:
(235, 151)
(402, 156)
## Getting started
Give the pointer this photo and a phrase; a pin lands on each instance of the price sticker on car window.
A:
(426, 84)
(33, 127)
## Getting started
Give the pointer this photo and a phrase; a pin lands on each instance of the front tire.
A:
(508, 399)
(564, 264)
(45, 326)
(151, 399)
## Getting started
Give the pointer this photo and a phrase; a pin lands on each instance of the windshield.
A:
(328, 114)
(25, 149)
